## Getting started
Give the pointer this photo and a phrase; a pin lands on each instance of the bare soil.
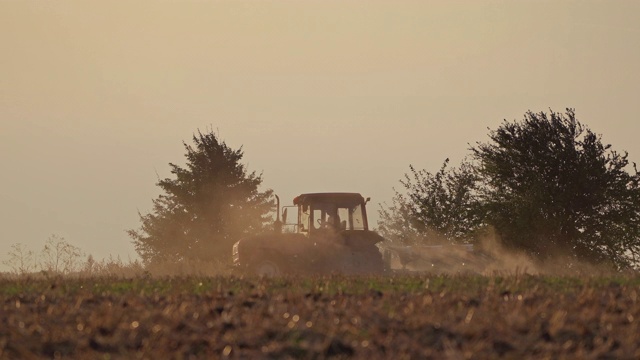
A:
(410, 317)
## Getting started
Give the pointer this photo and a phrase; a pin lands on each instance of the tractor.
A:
(329, 235)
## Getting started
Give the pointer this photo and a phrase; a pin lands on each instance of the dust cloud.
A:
(486, 256)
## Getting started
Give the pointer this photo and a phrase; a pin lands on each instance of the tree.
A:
(208, 205)
(550, 187)
(435, 208)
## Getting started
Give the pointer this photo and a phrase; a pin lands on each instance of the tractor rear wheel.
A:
(267, 268)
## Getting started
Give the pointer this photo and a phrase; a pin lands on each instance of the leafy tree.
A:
(552, 188)
(435, 208)
(208, 205)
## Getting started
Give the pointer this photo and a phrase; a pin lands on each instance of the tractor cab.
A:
(319, 213)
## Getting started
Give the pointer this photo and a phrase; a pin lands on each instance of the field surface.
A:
(411, 317)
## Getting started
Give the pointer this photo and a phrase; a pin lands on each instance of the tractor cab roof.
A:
(348, 199)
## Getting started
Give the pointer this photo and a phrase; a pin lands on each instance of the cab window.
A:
(357, 218)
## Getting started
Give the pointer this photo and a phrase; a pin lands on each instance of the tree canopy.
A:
(434, 208)
(206, 207)
(552, 187)
(546, 184)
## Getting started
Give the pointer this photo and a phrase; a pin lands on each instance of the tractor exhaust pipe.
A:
(277, 225)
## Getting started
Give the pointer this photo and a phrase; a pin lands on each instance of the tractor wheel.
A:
(369, 262)
(267, 268)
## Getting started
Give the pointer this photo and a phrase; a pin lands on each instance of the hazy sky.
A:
(96, 97)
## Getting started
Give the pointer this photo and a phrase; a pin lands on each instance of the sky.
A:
(96, 97)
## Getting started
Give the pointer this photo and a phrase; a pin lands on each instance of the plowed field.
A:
(427, 317)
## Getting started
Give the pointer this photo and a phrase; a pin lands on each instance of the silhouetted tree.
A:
(209, 205)
(552, 188)
(434, 208)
